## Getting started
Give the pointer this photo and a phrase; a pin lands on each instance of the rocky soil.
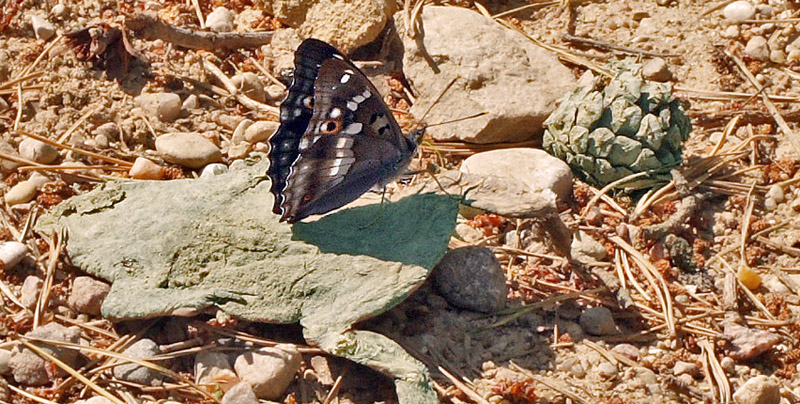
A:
(563, 294)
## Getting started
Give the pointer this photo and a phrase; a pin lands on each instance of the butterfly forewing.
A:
(350, 143)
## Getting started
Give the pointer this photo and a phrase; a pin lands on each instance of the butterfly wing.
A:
(351, 143)
(296, 112)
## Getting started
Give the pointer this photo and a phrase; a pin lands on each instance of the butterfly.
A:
(337, 139)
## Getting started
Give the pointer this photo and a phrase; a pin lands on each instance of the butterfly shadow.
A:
(410, 231)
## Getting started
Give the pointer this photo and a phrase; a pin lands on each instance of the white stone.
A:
(533, 167)
(731, 32)
(607, 370)
(260, 131)
(188, 149)
(758, 390)
(11, 253)
(213, 169)
(190, 103)
(165, 106)
(686, 368)
(739, 11)
(269, 371)
(60, 11)
(238, 133)
(23, 192)
(776, 192)
(220, 20)
(42, 28)
(777, 56)
(757, 48)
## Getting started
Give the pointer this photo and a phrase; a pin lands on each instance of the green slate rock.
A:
(185, 246)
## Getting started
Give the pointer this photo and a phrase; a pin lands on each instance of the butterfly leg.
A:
(380, 211)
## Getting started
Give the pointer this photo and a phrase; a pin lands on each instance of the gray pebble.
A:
(31, 289)
(30, 369)
(241, 393)
(5, 356)
(35, 150)
(188, 149)
(165, 106)
(598, 321)
(471, 278)
(87, 295)
(132, 372)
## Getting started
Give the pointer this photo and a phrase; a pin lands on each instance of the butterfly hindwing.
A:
(350, 143)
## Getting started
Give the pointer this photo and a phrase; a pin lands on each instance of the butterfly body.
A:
(337, 138)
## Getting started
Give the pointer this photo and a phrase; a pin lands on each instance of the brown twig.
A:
(149, 26)
(614, 47)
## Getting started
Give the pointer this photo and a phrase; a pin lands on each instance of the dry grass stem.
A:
(87, 153)
(552, 384)
(463, 387)
(715, 374)
(234, 91)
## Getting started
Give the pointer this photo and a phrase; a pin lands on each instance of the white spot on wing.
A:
(298, 112)
(338, 56)
(349, 71)
(366, 93)
(353, 128)
(345, 78)
(359, 99)
(341, 165)
(344, 143)
(335, 113)
(351, 105)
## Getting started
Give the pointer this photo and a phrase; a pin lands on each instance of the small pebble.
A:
(578, 371)
(144, 348)
(241, 393)
(30, 369)
(656, 69)
(749, 278)
(261, 147)
(757, 48)
(35, 150)
(31, 289)
(470, 234)
(471, 278)
(144, 169)
(239, 150)
(765, 10)
(165, 106)
(220, 20)
(11, 253)
(776, 193)
(213, 169)
(101, 141)
(260, 131)
(190, 103)
(731, 32)
(3, 104)
(213, 368)
(188, 149)
(23, 192)
(627, 350)
(5, 392)
(60, 11)
(686, 368)
(250, 85)
(275, 92)
(238, 133)
(87, 295)
(739, 11)
(728, 365)
(777, 56)
(607, 370)
(758, 390)
(663, 2)
(598, 321)
(42, 28)
(5, 356)
(270, 370)
(747, 343)
(770, 204)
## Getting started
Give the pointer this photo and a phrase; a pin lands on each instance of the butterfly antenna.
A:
(464, 118)
(453, 81)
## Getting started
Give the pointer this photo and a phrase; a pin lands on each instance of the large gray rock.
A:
(499, 71)
(132, 372)
(213, 242)
(471, 278)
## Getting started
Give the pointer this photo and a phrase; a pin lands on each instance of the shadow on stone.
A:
(390, 232)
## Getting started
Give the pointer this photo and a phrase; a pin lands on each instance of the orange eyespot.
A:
(331, 126)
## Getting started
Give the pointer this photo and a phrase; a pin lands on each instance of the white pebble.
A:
(731, 32)
(220, 20)
(776, 192)
(11, 253)
(739, 11)
(260, 131)
(213, 169)
(59, 11)
(757, 48)
(42, 28)
(269, 370)
(38, 151)
(165, 106)
(31, 289)
(23, 192)
(188, 149)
